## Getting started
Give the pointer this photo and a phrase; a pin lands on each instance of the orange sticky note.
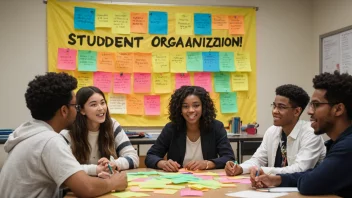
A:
(141, 83)
(106, 61)
(236, 24)
(139, 22)
(142, 62)
(220, 22)
(102, 80)
(124, 62)
(135, 104)
(122, 83)
(66, 59)
(152, 105)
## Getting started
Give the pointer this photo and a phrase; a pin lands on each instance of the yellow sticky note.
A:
(239, 81)
(121, 23)
(134, 105)
(242, 62)
(178, 62)
(177, 187)
(160, 62)
(184, 24)
(84, 79)
(129, 194)
(103, 18)
(228, 185)
(165, 191)
(117, 104)
(162, 83)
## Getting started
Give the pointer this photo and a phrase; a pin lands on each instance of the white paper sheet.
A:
(255, 194)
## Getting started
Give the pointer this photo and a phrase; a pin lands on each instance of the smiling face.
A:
(283, 112)
(192, 109)
(95, 109)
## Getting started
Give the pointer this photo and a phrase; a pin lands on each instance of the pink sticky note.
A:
(66, 59)
(152, 105)
(102, 80)
(226, 181)
(182, 79)
(242, 181)
(141, 179)
(222, 174)
(205, 177)
(188, 192)
(122, 83)
(142, 83)
(203, 79)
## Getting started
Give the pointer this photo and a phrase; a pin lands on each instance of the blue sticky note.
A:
(222, 82)
(194, 61)
(210, 61)
(87, 60)
(202, 24)
(84, 18)
(228, 102)
(157, 22)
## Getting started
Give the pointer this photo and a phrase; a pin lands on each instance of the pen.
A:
(234, 165)
(257, 173)
(110, 169)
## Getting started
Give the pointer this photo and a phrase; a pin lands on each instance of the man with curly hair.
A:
(39, 160)
(290, 144)
(331, 113)
(193, 139)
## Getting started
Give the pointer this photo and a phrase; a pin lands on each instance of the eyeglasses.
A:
(77, 107)
(315, 105)
(280, 108)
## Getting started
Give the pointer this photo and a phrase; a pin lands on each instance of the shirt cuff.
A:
(92, 169)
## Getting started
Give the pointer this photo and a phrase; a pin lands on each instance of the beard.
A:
(325, 127)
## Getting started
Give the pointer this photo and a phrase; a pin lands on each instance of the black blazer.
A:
(215, 145)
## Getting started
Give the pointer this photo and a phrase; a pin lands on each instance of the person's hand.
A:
(233, 169)
(119, 180)
(169, 165)
(196, 165)
(101, 168)
(263, 180)
(104, 161)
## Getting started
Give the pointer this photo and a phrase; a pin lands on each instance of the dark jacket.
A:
(332, 176)
(215, 145)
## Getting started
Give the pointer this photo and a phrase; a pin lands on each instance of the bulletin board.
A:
(139, 54)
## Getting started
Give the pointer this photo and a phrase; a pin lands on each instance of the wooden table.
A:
(217, 193)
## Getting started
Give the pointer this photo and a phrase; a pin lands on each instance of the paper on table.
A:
(165, 191)
(278, 189)
(129, 194)
(255, 194)
(189, 192)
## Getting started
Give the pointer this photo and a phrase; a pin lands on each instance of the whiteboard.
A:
(336, 51)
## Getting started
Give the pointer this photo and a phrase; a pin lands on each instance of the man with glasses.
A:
(331, 113)
(289, 145)
(39, 160)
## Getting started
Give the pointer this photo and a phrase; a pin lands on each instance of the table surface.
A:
(211, 193)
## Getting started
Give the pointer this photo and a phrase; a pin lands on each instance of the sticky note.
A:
(184, 24)
(122, 83)
(127, 194)
(182, 79)
(152, 104)
(87, 60)
(158, 22)
(228, 102)
(84, 79)
(117, 104)
(162, 82)
(66, 59)
(121, 23)
(222, 82)
(103, 18)
(178, 62)
(202, 24)
(84, 18)
(242, 62)
(141, 83)
(124, 62)
(142, 62)
(139, 22)
(203, 79)
(194, 61)
(189, 192)
(227, 61)
(102, 80)
(220, 22)
(138, 189)
(239, 81)
(211, 61)
(236, 25)
(106, 61)
(160, 62)
(134, 104)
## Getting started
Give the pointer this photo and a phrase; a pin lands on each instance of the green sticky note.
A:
(87, 60)
(222, 82)
(129, 194)
(228, 102)
(194, 61)
(152, 185)
(227, 61)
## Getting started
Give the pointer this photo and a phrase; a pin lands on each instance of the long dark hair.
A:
(79, 132)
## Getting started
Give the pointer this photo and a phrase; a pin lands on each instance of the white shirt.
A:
(193, 151)
(304, 150)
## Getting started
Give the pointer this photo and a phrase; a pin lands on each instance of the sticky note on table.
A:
(127, 194)
(134, 104)
(182, 79)
(242, 62)
(106, 61)
(162, 82)
(158, 22)
(202, 24)
(87, 60)
(117, 104)
(220, 22)
(84, 18)
(142, 62)
(203, 79)
(160, 62)
(103, 18)
(141, 83)
(102, 80)
(139, 22)
(211, 61)
(84, 79)
(124, 62)
(189, 192)
(121, 23)
(227, 61)
(228, 102)
(66, 59)
(152, 105)
(165, 191)
(239, 81)
(222, 82)
(178, 62)
(184, 24)
(236, 25)
(194, 61)
(122, 83)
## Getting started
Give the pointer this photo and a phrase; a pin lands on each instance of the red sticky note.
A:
(182, 79)
(102, 80)
(142, 83)
(152, 105)
(66, 59)
(122, 83)
(203, 79)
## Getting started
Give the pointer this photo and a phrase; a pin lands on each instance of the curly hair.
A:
(48, 93)
(175, 106)
(298, 97)
(338, 88)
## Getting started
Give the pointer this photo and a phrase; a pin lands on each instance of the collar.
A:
(295, 131)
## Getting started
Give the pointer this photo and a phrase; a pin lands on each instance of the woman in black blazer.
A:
(193, 139)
